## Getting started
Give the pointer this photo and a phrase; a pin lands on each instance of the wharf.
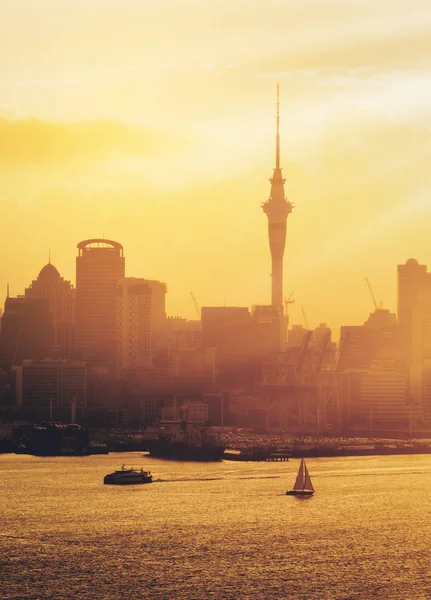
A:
(326, 451)
(256, 456)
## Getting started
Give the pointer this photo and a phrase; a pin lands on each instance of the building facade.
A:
(134, 327)
(99, 265)
(60, 295)
(51, 384)
(26, 331)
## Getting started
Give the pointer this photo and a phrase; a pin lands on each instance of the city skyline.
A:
(167, 321)
(180, 161)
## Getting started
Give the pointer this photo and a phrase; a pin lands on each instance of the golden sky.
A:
(151, 122)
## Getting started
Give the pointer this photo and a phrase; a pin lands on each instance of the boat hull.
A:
(111, 480)
(183, 451)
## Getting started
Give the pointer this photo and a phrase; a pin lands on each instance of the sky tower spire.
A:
(277, 208)
(277, 138)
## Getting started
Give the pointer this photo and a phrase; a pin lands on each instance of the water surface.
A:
(221, 530)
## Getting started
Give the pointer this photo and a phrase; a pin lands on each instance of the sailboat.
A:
(303, 485)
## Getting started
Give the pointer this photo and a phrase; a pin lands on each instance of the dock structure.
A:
(257, 456)
(277, 457)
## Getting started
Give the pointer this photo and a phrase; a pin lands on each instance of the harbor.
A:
(201, 530)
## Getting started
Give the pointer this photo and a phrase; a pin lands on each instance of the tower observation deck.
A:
(277, 208)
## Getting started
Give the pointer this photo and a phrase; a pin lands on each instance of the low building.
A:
(51, 384)
(194, 412)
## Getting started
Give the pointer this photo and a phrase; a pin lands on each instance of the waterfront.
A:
(215, 530)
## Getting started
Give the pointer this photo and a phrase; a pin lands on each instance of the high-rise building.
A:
(184, 334)
(60, 295)
(158, 291)
(414, 310)
(242, 341)
(414, 316)
(277, 208)
(26, 331)
(133, 348)
(141, 324)
(99, 265)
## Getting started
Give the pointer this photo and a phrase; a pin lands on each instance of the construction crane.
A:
(376, 306)
(288, 301)
(196, 305)
(304, 316)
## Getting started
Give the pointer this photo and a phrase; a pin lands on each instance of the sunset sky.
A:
(151, 122)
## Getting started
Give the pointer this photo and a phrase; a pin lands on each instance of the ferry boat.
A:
(183, 440)
(128, 477)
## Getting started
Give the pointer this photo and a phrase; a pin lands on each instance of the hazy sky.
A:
(151, 122)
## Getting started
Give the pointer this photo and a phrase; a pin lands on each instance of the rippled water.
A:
(221, 530)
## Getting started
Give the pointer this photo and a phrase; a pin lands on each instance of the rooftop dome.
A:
(49, 272)
(412, 262)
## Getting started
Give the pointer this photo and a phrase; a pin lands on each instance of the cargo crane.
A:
(288, 301)
(195, 305)
(304, 316)
(376, 306)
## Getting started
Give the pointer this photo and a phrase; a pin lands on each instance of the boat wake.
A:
(259, 477)
(188, 479)
(159, 480)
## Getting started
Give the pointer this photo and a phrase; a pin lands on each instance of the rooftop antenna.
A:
(277, 139)
(49, 256)
(7, 290)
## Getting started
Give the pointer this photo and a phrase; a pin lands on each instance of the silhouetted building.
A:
(228, 329)
(194, 412)
(242, 341)
(266, 321)
(26, 331)
(55, 384)
(414, 294)
(60, 295)
(383, 397)
(193, 364)
(133, 325)
(159, 338)
(359, 344)
(184, 334)
(414, 315)
(277, 208)
(99, 265)
(296, 336)
(369, 356)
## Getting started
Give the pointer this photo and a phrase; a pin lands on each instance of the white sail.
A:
(307, 480)
(299, 483)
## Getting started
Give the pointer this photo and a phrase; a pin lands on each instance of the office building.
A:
(99, 265)
(26, 331)
(133, 343)
(60, 295)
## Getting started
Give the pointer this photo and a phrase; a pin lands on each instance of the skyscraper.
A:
(99, 265)
(60, 295)
(26, 331)
(414, 317)
(133, 350)
(277, 208)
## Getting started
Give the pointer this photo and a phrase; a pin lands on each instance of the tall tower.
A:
(277, 208)
(61, 298)
(99, 266)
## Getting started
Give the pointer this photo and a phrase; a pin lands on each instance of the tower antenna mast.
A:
(277, 139)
